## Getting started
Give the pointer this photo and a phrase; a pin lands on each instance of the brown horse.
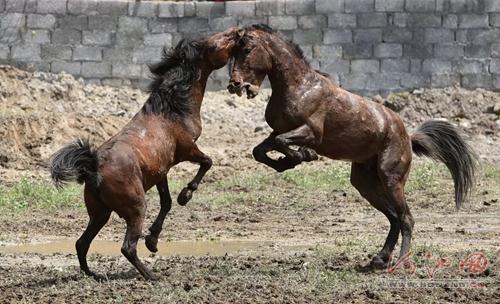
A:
(309, 110)
(162, 134)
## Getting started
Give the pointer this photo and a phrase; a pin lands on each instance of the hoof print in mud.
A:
(185, 196)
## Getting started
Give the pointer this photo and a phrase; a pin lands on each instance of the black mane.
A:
(173, 79)
(291, 44)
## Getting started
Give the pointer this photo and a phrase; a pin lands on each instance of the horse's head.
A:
(252, 62)
(219, 47)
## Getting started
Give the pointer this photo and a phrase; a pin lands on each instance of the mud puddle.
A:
(182, 248)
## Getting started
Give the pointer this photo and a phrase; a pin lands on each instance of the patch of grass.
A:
(423, 176)
(27, 194)
(332, 177)
(490, 171)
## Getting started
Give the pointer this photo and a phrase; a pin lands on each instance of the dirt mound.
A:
(39, 112)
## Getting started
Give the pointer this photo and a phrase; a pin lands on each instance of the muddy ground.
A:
(296, 237)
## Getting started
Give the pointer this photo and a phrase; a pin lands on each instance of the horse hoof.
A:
(309, 154)
(151, 243)
(184, 197)
(151, 277)
(378, 263)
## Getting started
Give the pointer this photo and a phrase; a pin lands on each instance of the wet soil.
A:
(255, 237)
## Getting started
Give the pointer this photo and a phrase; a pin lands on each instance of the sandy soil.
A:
(306, 240)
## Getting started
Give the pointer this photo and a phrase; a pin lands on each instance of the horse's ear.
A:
(239, 34)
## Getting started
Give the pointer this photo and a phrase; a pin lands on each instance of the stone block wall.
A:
(368, 46)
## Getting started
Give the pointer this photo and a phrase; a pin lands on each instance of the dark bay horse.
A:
(307, 109)
(163, 133)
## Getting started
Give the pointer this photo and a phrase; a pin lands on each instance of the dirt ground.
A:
(296, 237)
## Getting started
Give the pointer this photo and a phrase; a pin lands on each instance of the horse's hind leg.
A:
(165, 205)
(134, 216)
(205, 162)
(365, 179)
(99, 216)
(393, 170)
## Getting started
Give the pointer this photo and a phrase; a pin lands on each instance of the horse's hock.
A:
(369, 46)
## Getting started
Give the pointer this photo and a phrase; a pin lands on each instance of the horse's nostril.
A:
(236, 83)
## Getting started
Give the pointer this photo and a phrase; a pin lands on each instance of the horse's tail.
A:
(76, 161)
(441, 141)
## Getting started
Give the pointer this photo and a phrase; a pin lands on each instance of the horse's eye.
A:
(248, 50)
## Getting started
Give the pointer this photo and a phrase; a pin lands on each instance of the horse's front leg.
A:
(195, 156)
(269, 144)
(303, 136)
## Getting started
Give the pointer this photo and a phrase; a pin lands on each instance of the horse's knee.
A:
(128, 251)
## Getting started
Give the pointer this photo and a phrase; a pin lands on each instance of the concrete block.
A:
(4, 52)
(163, 39)
(372, 19)
(223, 23)
(388, 50)
(470, 66)
(119, 54)
(146, 54)
(112, 7)
(450, 21)
(327, 51)
(495, 66)
(82, 7)
(334, 66)
(494, 20)
(75, 22)
(341, 20)
(444, 80)
(270, 7)
(495, 50)
(14, 6)
(313, 36)
(55, 52)
(189, 9)
(472, 81)
(30, 8)
(359, 6)
(104, 22)
(132, 24)
(411, 81)
(473, 21)
(477, 51)
(240, 8)
(2, 6)
(365, 66)
(439, 35)
(398, 19)
(96, 38)
(368, 35)
(73, 68)
(127, 70)
(246, 21)
(112, 82)
(10, 35)
(28, 52)
(483, 36)
(329, 6)
(41, 21)
(193, 25)
(36, 36)
(143, 9)
(96, 69)
(12, 20)
(300, 7)
(397, 35)
(358, 51)
(51, 7)
(436, 66)
(87, 53)
(421, 5)
(312, 21)
(415, 65)
(417, 50)
(448, 50)
(210, 10)
(389, 5)
(424, 20)
(337, 36)
(66, 36)
(395, 65)
(163, 25)
(491, 5)
(283, 22)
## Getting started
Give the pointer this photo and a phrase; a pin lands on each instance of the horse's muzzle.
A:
(237, 88)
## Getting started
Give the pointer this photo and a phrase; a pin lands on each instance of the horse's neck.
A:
(196, 98)
(286, 77)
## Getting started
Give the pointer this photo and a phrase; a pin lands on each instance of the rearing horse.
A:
(309, 110)
(162, 134)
